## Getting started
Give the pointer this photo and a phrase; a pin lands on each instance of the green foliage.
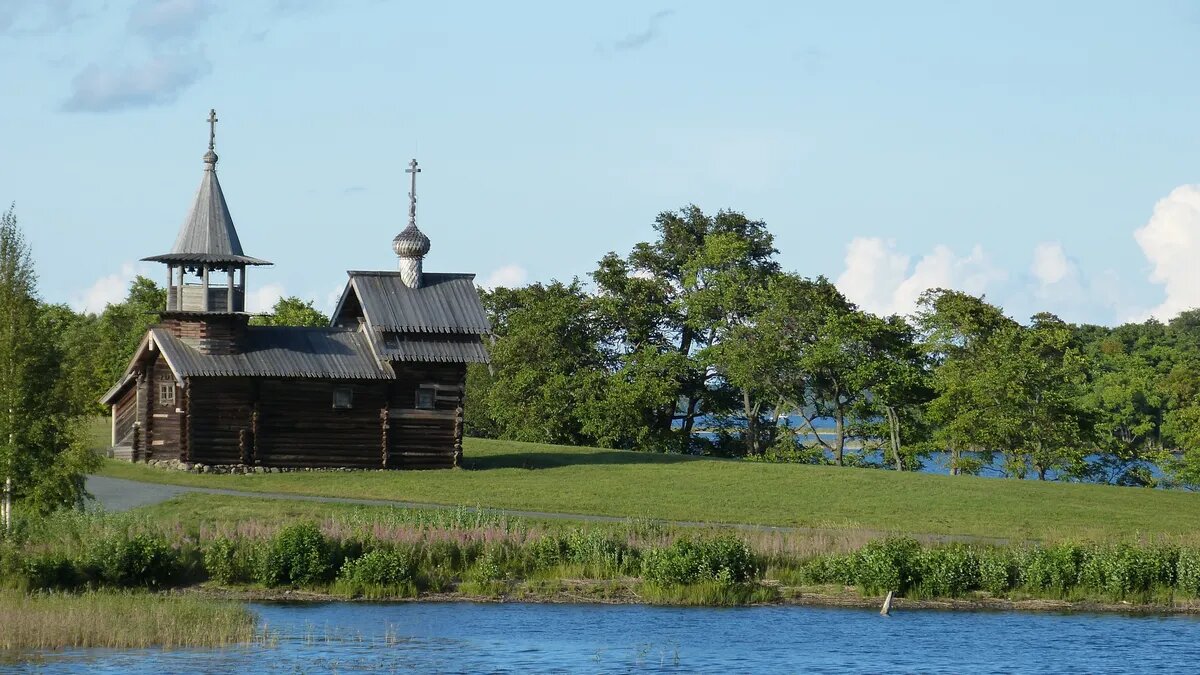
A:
(298, 555)
(949, 571)
(292, 311)
(381, 571)
(723, 560)
(230, 560)
(888, 565)
(40, 445)
(140, 560)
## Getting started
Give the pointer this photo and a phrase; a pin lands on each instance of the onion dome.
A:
(411, 242)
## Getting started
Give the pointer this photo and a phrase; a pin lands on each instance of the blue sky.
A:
(1046, 154)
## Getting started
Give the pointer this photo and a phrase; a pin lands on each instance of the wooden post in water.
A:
(886, 610)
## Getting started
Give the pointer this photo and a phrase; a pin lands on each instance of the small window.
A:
(425, 397)
(166, 393)
(343, 398)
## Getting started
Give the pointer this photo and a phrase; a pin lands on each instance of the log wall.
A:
(125, 413)
(292, 422)
(163, 429)
(218, 334)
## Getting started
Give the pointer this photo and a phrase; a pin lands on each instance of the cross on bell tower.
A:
(411, 244)
(210, 157)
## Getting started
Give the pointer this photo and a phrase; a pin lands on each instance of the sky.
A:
(1046, 155)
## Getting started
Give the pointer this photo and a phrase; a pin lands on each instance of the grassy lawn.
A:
(528, 476)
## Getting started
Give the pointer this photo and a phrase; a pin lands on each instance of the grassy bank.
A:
(119, 620)
(562, 479)
(388, 553)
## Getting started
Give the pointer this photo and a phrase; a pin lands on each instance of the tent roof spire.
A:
(208, 234)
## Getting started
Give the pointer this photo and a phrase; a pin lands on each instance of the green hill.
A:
(502, 474)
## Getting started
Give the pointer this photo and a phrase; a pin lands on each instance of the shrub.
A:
(298, 556)
(1187, 572)
(141, 560)
(725, 560)
(948, 571)
(1054, 569)
(998, 572)
(51, 571)
(887, 565)
(380, 571)
(230, 561)
(1130, 570)
(546, 552)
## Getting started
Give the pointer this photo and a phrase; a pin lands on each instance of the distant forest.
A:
(701, 330)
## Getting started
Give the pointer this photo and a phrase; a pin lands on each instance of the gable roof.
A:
(444, 303)
(208, 234)
(443, 347)
(280, 351)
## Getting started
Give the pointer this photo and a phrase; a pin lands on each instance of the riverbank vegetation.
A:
(572, 480)
(383, 553)
(119, 620)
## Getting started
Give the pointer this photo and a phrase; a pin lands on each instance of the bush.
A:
(725, 560)
(380, 571)
(141, 560)
(230, 561)
(52, 571)
(298, 555)
(998, 572)
(1054, 570)
(948, 571)
(887, 565)
(1129, 570)
(1187, 572)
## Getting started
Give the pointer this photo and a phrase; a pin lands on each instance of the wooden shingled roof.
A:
(280, 351)
(443, 303)
(208, 234)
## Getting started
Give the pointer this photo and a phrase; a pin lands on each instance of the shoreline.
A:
(624, 595)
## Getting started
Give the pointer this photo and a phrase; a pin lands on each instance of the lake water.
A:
(520, 638)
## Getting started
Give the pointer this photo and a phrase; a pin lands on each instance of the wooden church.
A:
(381, 387)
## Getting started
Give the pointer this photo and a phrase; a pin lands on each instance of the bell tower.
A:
(206, 269)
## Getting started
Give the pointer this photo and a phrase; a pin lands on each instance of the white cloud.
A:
(157, 80)
(878, 277)
(1170, 240)
(1050, 264)
(262, 300)
(105, 291)
(509, 276)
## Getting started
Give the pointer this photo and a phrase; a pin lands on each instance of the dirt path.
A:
(119, 494)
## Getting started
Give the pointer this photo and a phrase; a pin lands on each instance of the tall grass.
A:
(119, 620)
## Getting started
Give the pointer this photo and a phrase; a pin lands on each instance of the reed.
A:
(119, 620)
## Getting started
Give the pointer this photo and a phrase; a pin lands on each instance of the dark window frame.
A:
(343, 398)
(429, 390)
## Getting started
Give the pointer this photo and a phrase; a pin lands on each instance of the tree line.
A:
(699, 342)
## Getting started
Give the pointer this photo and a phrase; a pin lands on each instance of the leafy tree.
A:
(292, 311)
(40, 446)
(546, 363)
(680, 295)
(122, 326)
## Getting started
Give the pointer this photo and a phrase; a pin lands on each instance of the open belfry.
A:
(381, 387)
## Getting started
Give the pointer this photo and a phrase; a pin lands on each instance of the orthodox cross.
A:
(412, 195)
(212, 128)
